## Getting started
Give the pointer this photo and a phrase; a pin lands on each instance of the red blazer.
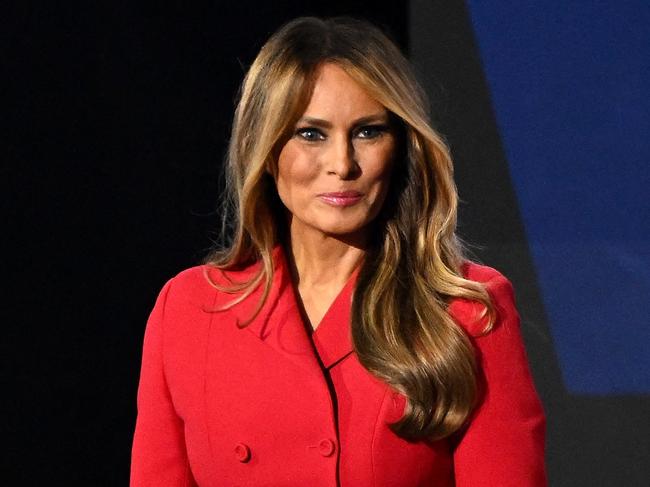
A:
(270, 405)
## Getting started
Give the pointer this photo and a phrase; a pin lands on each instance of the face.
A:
(333, 173)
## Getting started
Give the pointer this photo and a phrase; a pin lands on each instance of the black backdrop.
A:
(115, 128)
(118, 118)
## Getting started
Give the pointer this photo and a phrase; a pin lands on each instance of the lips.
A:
(341, 198)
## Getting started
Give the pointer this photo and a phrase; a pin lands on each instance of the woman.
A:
(341, 338)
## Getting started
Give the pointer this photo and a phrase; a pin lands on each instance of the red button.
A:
(326, 447)
(242, 452)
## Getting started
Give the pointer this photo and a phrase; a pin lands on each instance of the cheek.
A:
(381, 171)
(296, 172)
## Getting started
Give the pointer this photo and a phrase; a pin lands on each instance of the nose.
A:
(341, 159)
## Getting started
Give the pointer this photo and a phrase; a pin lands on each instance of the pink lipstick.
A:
(341, 198)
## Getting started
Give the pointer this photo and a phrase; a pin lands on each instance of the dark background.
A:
(117, 119)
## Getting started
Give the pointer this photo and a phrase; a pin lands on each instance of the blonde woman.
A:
(341, 337)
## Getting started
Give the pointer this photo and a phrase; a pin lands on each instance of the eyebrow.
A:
(319, 122)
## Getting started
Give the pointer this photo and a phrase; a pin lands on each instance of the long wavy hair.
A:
(401, 329)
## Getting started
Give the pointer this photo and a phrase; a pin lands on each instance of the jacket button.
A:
(326, 447)
(242, 452)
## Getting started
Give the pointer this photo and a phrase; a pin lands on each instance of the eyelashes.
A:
(365, 132)
(310, 134)
(372, 131)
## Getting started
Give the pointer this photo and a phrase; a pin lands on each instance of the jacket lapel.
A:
(332, 338)
(279, 323)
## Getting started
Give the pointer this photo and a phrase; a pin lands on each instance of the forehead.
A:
(337, 95)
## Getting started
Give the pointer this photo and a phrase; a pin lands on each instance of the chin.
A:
(340, 229)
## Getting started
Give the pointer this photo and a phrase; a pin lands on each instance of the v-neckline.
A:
(280, 325)
(333, 304)
(311, 330)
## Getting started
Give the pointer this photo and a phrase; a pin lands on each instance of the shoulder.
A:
(198, 285)
(189, 281)
(484, 274)
(497, 285)
(187, 303)
(469, 314)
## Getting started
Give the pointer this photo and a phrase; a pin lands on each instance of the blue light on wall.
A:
(570, 89)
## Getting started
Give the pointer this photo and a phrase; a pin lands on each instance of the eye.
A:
(371, 131)
(310, 134)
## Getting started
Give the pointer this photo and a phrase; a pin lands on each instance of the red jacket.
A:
(220, 406)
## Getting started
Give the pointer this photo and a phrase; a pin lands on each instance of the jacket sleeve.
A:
(159, 456)
(504, 442)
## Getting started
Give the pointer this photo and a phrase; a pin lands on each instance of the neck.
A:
(319, 260)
